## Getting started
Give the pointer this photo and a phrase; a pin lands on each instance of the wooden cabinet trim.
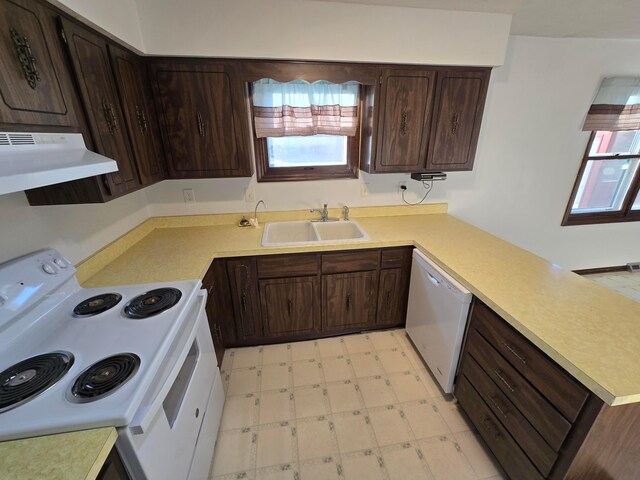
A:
(350, 261)
(288, 265)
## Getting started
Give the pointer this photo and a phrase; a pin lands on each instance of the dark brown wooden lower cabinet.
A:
(219, 307)
(392, 297)
(289, 306)
(243, 282)
(113, 468)
(349, 300)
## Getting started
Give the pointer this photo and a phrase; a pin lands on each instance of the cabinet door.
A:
(349, 300)
(90, 60)
(289, 305)
(139, 112)
(200, 128)
(392, 296)
(219, 307)
(407, 98)
(113, 468)
(244, 292)
(35, 86)
(460, 98)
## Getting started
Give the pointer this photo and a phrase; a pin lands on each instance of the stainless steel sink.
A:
(279, 234)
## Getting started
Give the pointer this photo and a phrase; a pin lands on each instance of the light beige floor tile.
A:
(251, 475)
(363, 466)
(383, 341)
(480, 459)
(389, 426)
(344, 396)
(275, 376)
(227, 360)
(452, 414)
(288, 471)
(332, 347)
(239, 411)
(395, 361)
(235, 451)
(276, 445)
(408, 387)
(276, 406)
(376, 391)
(428, 382)
(445, 461)
(403, 463)
(246, 357)
(424, 420)
(353, 432)
(307, 373)
(311, 401)
(243, 381)
(303, 351)
(316, 438)
(366, 365)
(276, 354)
(337, 368)
(401, 336)
(414, 357)
(358, 344)
(319, 469)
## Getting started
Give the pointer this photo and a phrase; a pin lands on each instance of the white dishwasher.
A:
(436, 318)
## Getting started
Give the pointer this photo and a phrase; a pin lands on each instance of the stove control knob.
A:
(48, 268)
(59, 261)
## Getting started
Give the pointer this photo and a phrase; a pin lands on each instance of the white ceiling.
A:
(546, 18)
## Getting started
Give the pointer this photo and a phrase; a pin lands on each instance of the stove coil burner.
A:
(95, 305)
(152, 302)
(105, 377)
(29, 378)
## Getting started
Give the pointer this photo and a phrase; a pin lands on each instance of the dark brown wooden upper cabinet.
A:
(90, 62)
(139, 113)
(203, 128)
(36, 88)
(460, 98)
(405, 117)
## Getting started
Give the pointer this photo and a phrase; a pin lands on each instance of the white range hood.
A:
(31, 160)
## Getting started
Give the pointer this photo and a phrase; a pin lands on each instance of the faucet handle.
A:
(345, 211)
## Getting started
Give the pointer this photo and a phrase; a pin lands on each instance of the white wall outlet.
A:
(364, 189)
(250, 194)
(189, 195)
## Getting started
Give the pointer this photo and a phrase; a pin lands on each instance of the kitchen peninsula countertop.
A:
(590, 331)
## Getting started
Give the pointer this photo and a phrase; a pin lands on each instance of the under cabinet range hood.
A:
(31, 160)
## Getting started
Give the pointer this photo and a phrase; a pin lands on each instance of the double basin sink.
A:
(306, 232)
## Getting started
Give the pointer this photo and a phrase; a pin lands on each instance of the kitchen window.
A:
(608, 183)
(306, 131)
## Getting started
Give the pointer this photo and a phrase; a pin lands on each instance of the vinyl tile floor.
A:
(352, 407)
(626, 283)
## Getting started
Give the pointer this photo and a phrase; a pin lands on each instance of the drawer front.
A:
(543, 416)
(511, 457)
(273, 266)
(356, 261)
(394, 257)
(540, 453)
(567, 395)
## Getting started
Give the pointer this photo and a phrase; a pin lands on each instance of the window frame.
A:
(625, 214)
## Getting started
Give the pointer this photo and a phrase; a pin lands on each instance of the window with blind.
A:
(306, 131)
(608, 183)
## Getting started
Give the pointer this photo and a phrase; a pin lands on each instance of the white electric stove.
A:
(137, 357)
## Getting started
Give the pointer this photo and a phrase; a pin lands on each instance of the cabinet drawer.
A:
(273, 266)
(511, 457)
(540, 453)
(543, 416)
(394, 257)
(357, 261)
(556, 385)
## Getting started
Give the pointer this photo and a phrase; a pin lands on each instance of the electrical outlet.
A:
(402, 186)
(189, 195)
(364, 189)
(250, 194)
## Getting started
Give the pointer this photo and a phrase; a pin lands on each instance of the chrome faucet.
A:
(324, 214)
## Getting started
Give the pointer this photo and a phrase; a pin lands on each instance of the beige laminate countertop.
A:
(66, 456)
(592, 332)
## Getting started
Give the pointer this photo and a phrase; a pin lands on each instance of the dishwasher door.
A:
(436, 318)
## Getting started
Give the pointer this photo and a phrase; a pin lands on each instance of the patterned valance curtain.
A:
(616, 106)
(301, 108)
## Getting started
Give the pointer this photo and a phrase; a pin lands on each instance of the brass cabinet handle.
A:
(514, 352)
(290, 307)
(455, 123)
(404, 123)
(388, 298)
(142, 120)
(200, 123)
(25, 57)
(504, 380)
(109, 116)
(498, 407)
(244, 301)
(217, 331)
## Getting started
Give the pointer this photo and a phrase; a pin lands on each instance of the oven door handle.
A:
(146, 414)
